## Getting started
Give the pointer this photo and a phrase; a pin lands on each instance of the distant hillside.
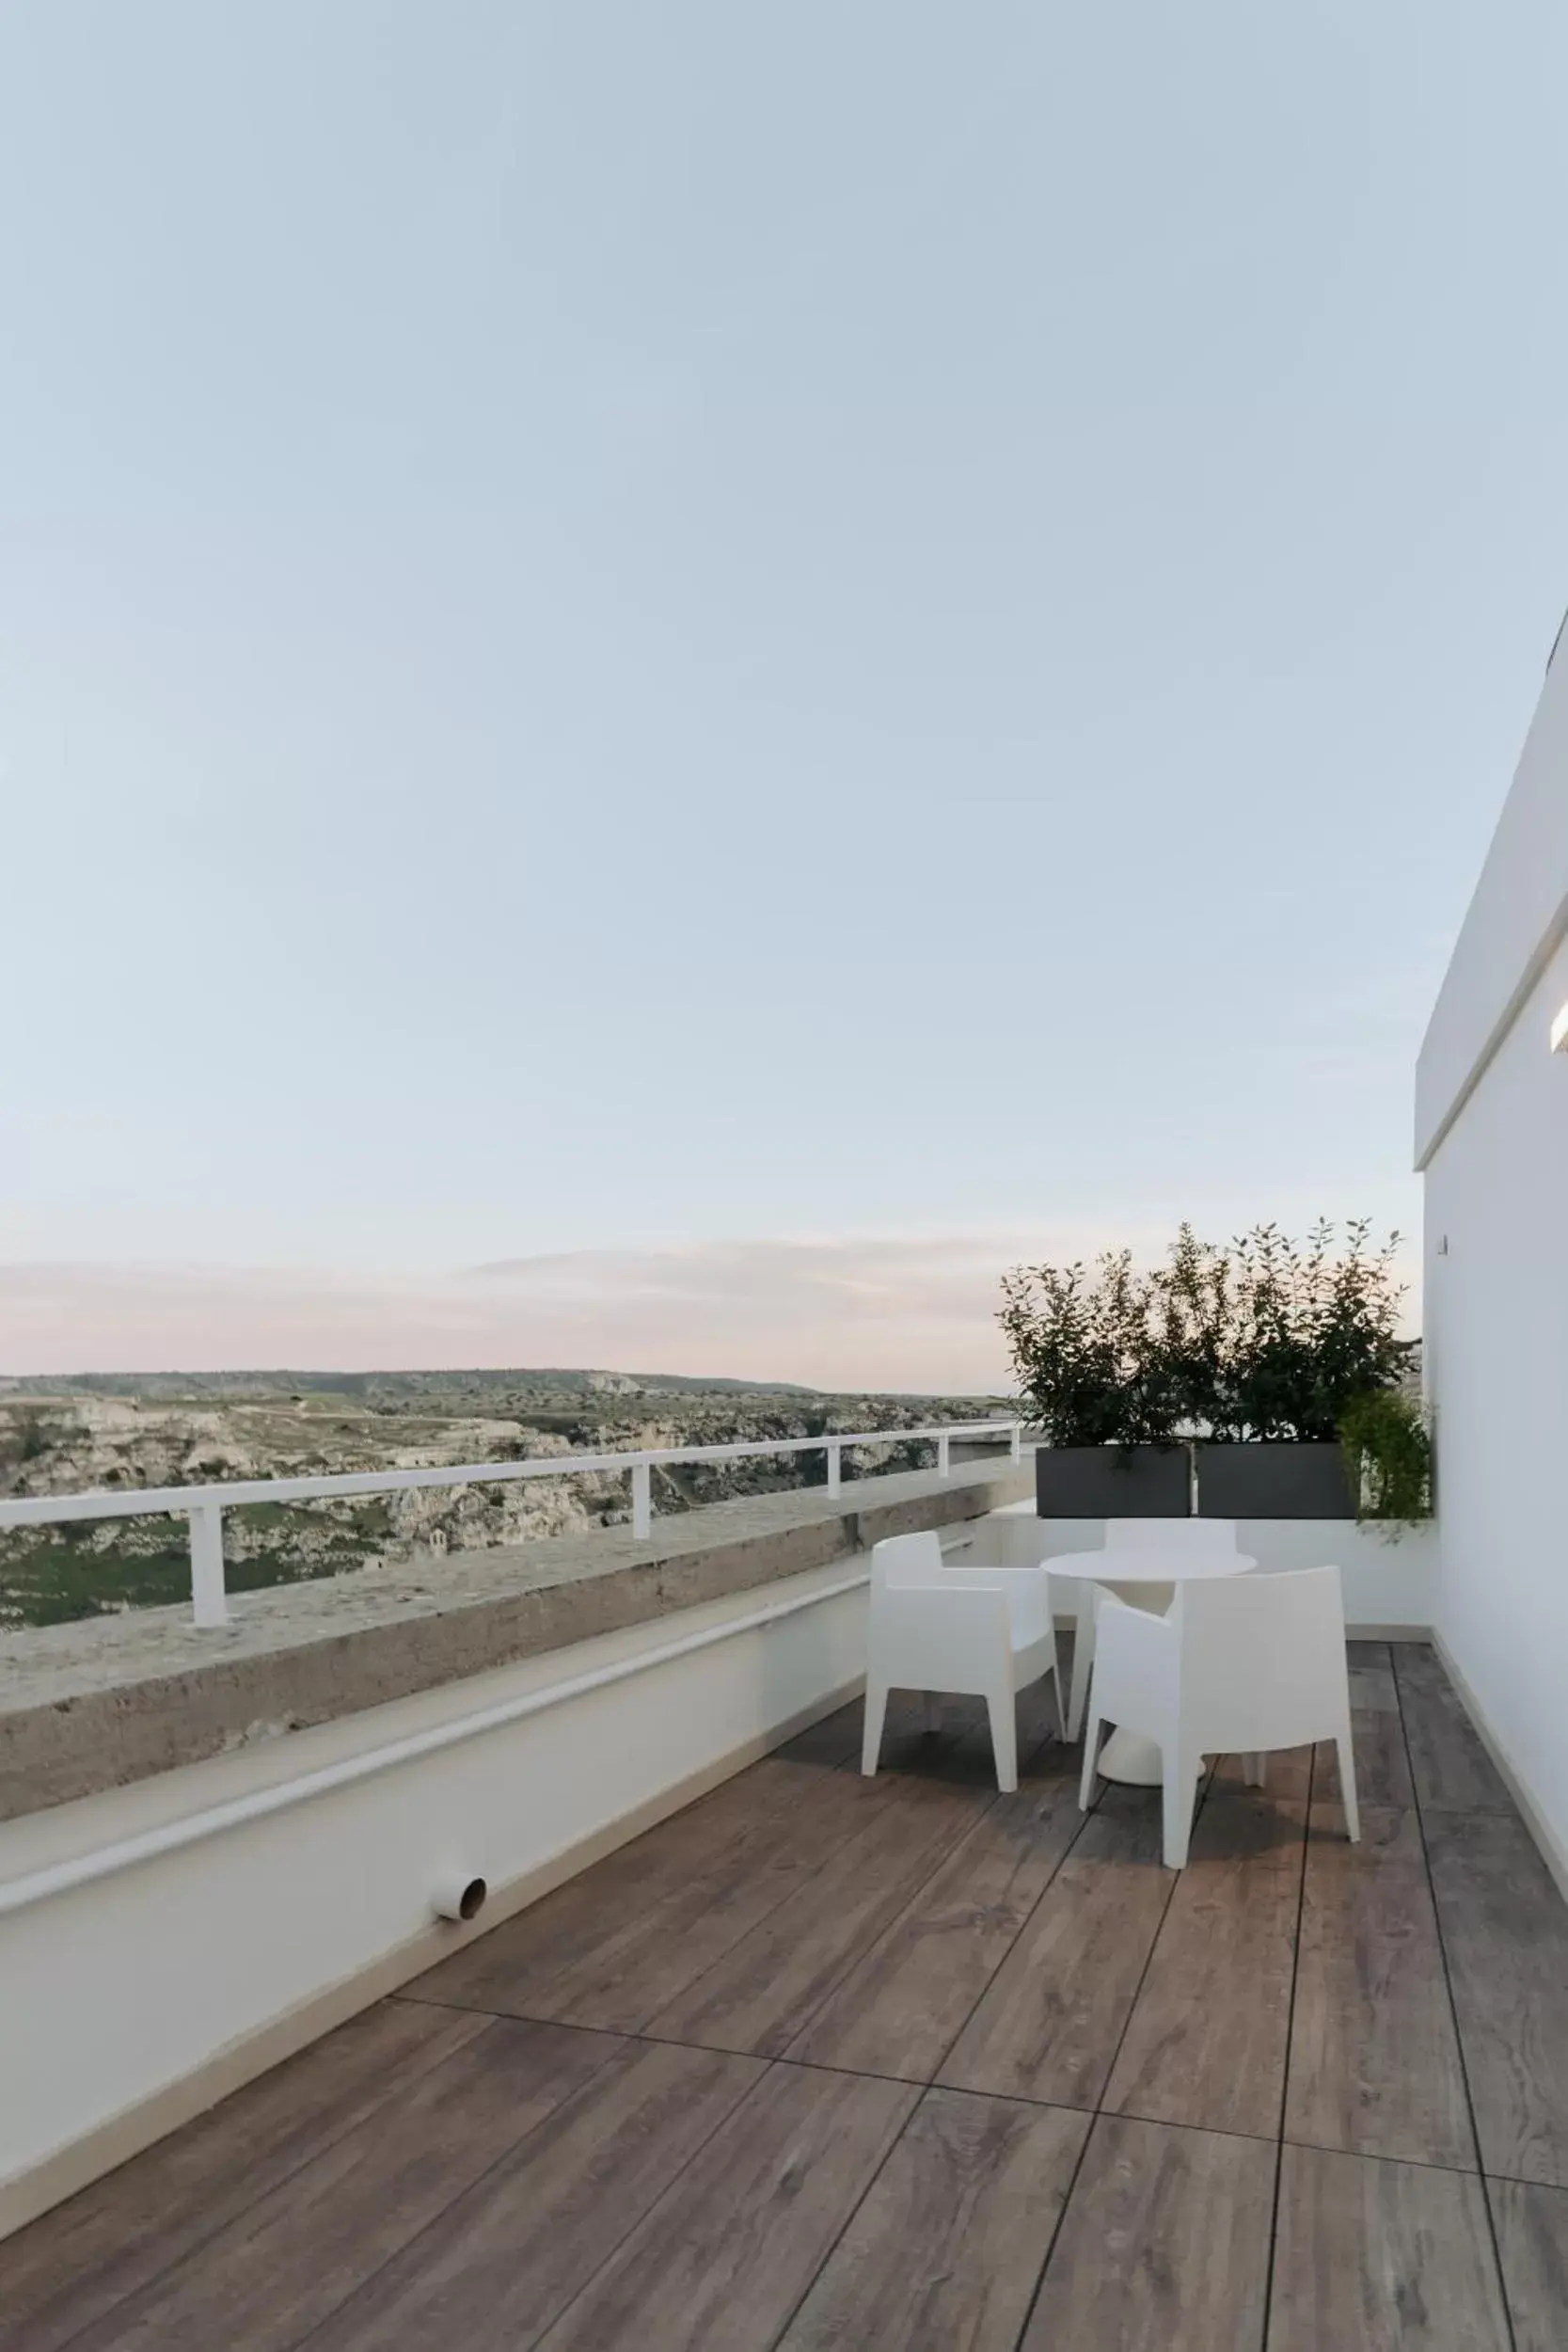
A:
(384, 1384)
(120, 1431)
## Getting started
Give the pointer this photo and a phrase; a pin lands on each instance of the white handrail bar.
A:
(205, 1504)
(121, 1503)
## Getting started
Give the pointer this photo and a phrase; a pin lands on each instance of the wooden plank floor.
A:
(906, 2065)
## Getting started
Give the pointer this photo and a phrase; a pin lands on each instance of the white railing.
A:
(204, 1506)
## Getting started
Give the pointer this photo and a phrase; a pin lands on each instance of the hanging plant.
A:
(1388, 1450)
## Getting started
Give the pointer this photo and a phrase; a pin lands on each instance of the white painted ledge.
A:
(166, 1941)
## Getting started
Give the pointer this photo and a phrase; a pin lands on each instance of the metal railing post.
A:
(835, 1467)
(641, 1500)
(944, 1456)
(1016, 1442)
(209, 1599)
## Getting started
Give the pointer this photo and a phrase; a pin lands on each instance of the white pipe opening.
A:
(458, 1895)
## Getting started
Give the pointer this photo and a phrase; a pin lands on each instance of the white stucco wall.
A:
(1496, 1317)
(1516, 920)
(1492, 1131)
(1389, 1583)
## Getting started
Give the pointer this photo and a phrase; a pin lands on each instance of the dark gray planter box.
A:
(1113, 1482)
(1272, 1482)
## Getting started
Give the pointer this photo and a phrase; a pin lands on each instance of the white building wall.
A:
(1496, 1313)
(1492, 1134)
(1516, 920)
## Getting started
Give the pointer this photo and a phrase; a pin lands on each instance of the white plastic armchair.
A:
(1184, 1539)
(934, 1626)
(1238, 1666)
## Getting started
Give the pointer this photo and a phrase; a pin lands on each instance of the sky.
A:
(672, 680)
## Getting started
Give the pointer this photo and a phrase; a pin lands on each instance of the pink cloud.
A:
(899, 1313)
(916, 1314)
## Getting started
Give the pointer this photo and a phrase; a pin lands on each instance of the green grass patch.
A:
(66, 1575)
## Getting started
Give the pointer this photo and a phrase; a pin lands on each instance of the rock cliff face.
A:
(105, 1436)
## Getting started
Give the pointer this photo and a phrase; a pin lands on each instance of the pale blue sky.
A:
(553, 558)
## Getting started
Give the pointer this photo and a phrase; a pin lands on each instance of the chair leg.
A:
(1091, 1757)
(1181, 1784)
(875, 1711)
(1347, 1786)
(1057, 1676)
(1083, 1658)
(933, 1711)
(1003, 1710)
(1253, 1769)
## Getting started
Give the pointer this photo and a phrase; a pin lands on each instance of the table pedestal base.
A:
(1134, 1762)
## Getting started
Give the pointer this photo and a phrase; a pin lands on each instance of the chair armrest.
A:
(1136, 1632)
(1136, 1662)
(999, 1572)
(947, 1600)
(931, 1636)
(1027, 1591)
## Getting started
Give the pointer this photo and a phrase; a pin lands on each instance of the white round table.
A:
(1145, 1576)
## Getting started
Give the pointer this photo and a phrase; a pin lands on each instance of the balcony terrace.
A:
(819, 2062)
(606, 621)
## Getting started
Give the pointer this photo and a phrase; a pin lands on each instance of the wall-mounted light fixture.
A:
(1559, 1032)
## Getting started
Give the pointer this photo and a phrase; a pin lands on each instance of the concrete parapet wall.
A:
(110, 1701)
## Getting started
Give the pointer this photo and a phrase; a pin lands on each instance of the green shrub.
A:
(1390, 1455)
(1084, 1348)
(1265, 1338)
(1311, 1330)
